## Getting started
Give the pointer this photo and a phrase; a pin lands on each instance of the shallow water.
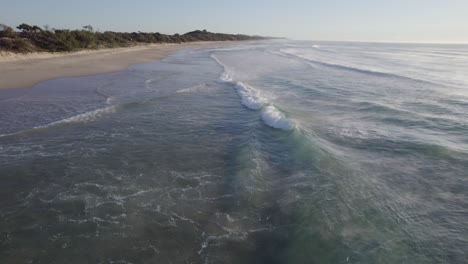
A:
(268, 152)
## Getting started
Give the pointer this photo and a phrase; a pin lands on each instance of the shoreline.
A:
(28, 70)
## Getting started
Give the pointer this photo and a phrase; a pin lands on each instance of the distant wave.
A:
(301, 46)
(148, 83)
(314, 46)
(230, 49)
(253, 100)
(359, 70)
(192, 89)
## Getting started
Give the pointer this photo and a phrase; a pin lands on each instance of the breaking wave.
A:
(252, 99)
(273, 117)
(249, 97)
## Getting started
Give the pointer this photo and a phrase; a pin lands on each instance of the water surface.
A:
(267, 152)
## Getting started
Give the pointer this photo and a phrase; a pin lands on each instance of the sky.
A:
(426, 21)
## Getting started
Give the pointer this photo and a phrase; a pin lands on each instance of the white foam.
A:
(110, 100)
(85, 117)
(195, 88)
(81, 118)
(226, 76)
(274, 118)
(249, 97)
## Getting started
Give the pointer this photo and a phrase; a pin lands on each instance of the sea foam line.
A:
(84, 117)
(81, 118)
(192, 89)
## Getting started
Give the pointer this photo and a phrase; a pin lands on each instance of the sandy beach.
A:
(27, 70)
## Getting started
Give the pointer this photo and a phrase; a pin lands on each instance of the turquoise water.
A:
(267, 152)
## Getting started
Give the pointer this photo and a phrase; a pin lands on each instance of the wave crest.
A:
(226, 76)
(276, 119)
(252, 100)
(249, 97)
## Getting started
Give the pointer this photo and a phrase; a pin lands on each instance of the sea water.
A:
(265, 152)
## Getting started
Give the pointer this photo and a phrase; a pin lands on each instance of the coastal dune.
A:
(27, 70)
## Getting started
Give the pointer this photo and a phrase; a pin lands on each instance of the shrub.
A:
(6, 43)
(35, 38)
(6, 31)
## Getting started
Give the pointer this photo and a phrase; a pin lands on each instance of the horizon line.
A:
(380, 42)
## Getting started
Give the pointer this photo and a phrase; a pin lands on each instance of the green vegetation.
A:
(34, 38)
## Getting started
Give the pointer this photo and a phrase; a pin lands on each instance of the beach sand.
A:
(27, 70)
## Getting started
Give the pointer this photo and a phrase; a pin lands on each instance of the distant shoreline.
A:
(27, 70)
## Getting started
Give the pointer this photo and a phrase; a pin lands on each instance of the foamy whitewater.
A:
(266, 152)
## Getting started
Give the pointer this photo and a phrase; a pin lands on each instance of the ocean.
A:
(262, 152)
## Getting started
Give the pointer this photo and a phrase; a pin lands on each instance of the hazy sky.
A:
(359, 20)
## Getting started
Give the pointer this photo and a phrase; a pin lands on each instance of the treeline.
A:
(34, 38)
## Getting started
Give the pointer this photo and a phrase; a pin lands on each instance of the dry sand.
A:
(26, 70)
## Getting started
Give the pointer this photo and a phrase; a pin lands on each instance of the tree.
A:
(88, 28)
(35, 38)
(36, 29)
(24, 27)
